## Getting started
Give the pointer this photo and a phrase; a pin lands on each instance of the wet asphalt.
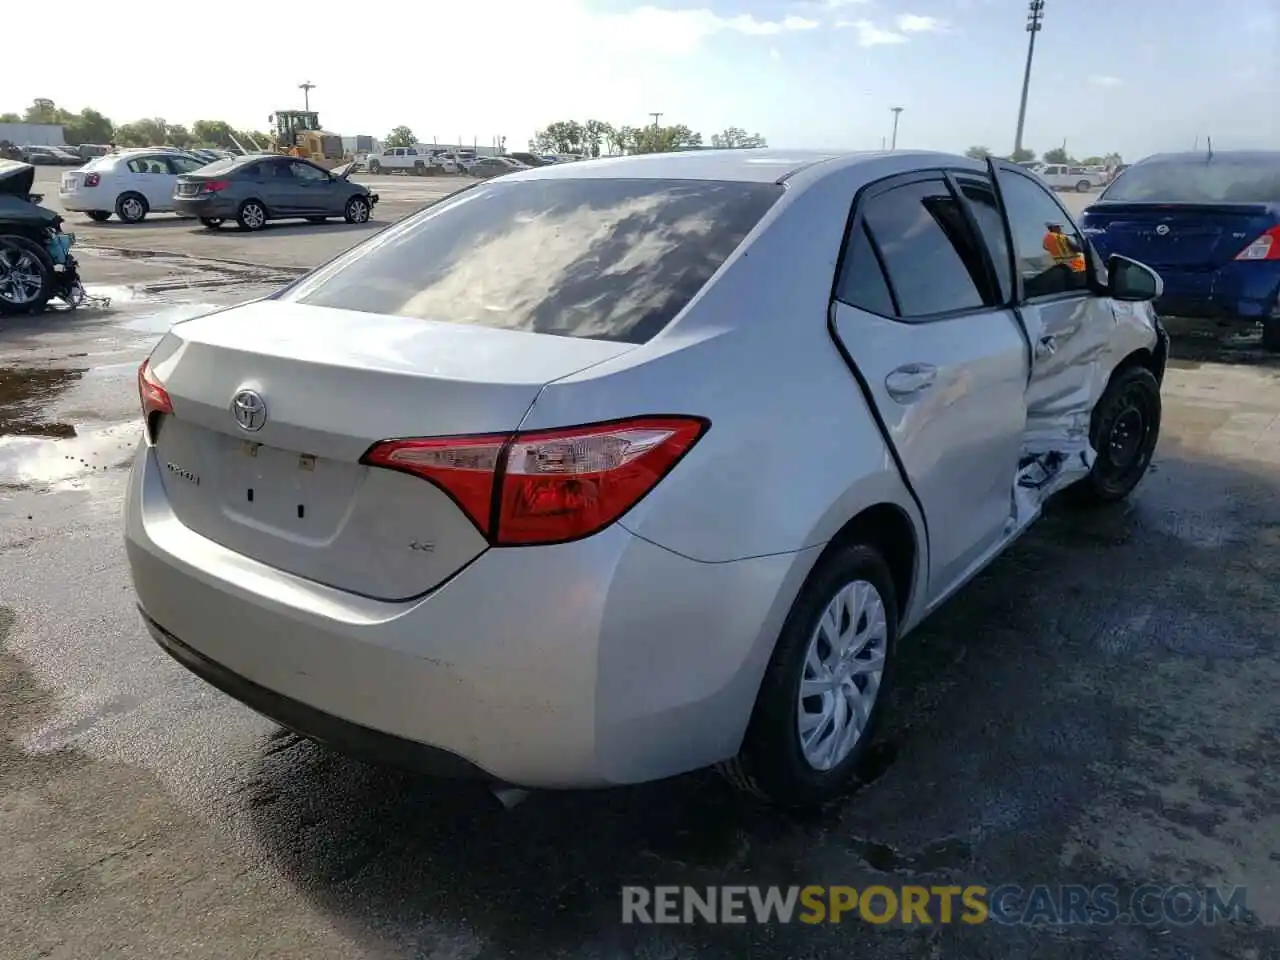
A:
(1099, 707)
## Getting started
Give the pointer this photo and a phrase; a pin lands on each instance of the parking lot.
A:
(1099, 707)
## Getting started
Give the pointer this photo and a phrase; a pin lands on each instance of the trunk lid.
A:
(291, 492)
(1189, 236)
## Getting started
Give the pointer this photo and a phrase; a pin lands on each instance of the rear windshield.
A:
(1209, 181)
(599, 258)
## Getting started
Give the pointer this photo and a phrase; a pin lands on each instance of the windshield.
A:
(600, 258)
(1199, 181)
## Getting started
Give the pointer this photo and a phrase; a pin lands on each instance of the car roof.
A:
(746, 166)
(1204, 156)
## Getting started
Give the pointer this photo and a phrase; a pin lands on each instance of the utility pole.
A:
(306, 87)
(1035, 19)
(893, 141)
(656, 118)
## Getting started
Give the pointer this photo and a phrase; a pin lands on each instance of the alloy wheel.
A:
(843, 669)
(21, 277)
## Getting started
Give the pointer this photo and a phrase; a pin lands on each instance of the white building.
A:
(33, 134)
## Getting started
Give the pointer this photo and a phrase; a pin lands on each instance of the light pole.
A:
(893, 141)
(1035, 19)
(656, 118)
(306, 87)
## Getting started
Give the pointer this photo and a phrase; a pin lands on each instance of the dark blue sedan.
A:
(1209, 224)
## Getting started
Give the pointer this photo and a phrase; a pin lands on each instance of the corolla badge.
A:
(249, 409)
(1163, 230)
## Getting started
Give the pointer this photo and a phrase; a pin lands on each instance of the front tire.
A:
(131, 207)
(252, 215)
(823, 693)
(1083, 186)
(357, 210)
(99, 216)
(213, 223)
(26, 276)
(1124, 433)
(374, 166)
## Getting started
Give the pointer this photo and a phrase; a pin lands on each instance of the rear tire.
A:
(131, 207)
(419, 168)
(374, 166)
(1271, 335)
(99, 216)
(213, 223)
(1083, 186)
(1124, 433)
(26, 276)
(252, 215)
(847, 599)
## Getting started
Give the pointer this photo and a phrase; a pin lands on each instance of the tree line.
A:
(1056, 155)
(90, 126)
(595, 137)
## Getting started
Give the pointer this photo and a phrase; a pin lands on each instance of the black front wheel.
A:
(252, 215)
(357, 210)
(213, 223)
(1124, 433)
(26, 276)
(99, 216)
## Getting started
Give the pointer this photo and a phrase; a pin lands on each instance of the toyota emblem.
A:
(1163, 229)
(249, 409)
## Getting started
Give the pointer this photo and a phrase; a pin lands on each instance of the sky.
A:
(1130, 76)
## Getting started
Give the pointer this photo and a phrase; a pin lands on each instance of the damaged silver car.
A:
(601, 472)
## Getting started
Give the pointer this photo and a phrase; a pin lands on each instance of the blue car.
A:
(1209, 224)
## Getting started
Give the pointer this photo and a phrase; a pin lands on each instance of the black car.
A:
(254, 189)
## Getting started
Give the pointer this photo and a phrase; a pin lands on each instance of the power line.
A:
(1035, 23)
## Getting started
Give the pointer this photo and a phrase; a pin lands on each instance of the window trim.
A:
(856, 220)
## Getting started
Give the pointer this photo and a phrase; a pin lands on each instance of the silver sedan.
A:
(606, 471)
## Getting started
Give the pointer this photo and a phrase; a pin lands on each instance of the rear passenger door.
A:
(919, 311)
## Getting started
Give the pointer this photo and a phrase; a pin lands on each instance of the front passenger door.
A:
(1067, 323)
(944, 361)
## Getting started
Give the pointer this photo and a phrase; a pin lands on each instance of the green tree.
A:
(734, 138)
(10, 118)
(977, 153)
(1022, 155)
(594, 134)
(655, 139)
(42, 111)
(87, 126)
(563, 136)
(401, 137)
(213, 133)
(1056, 155)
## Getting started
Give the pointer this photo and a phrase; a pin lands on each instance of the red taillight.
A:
(154, 397)
(213, 186)
(548, 486)
(92, 179)
(1266, 247)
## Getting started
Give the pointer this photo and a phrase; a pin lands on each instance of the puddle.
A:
(26, 390)
(27, 461)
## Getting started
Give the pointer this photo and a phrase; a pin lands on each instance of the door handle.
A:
(909, 380)
(1047, 346)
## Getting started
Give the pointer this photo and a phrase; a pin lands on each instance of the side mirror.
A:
(1132, 281)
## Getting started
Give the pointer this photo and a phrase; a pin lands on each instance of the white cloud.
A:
(914, 23)
(843, 3)
(682, 31)
(869, 35)
(1102, 81)
(774, 54)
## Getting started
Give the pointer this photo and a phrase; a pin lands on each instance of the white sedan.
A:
(129, 184)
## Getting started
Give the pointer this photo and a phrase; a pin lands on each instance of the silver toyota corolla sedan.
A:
(606, 471)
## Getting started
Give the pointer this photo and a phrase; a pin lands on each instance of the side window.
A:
(411, 152)
(390, 152)
(862, 283)
(932, 259)
(144, 165)
(1048, 249)
(982, 201)
(252, 172)
(399, 151)
(305, 171)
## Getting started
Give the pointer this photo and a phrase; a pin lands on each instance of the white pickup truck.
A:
(1062, 177)
(417, 161)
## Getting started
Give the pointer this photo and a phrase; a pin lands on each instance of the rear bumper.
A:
(1245, 291)
(204, 207)
(80, 201)
(604, 661)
